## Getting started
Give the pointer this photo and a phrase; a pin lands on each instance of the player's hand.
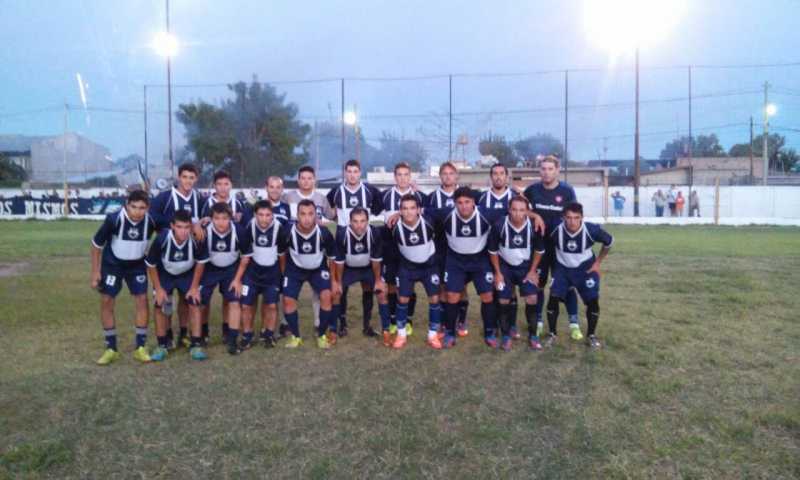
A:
(198, 231)
(95, 280)
(414, 186)
(237, 217)
(532, 277)
(161, 296)
(193, 295)
(538, 224)
(236, 287)
(380, 285)
(595, 268)
(392, 220)
(499, 281)
(336, 288)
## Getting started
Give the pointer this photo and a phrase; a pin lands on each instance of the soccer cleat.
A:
(490, 341)
(369, 332)
(461, 329)
(205, 341)
(393, 329)
(322, 342)
(342, 329)
(141, 355)
(434, 342)
(170, 345)
(159, 354)
(448, 342)
(539, 328)
(245, 344)
(399, 342)
(283, 330)
(233, 348)
(575, 332)
(550, 340)
(331, 337)
(506, 345)
(533, 343)
(409, 328)
(440, 334)
(593, 342)
(293, 342)
(197, 353)
(515, 334)
(184, 342)
(108, 357)
(388, 338)
(269, 342)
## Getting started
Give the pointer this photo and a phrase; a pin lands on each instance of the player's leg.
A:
(336, 317)
(558, 291)
(513, 318)
(406, 280)
(338, 324)
(108, 323)
(544, 270)
(269, 317)
(385, 317)
(315, 306)
(136, 280)
(483, 281)
(196, 350)
(292, 283)
(435, 311)
(162, 323)
(325, 314)
(588, 286)
(367, 302)
(503, 305)
(183, 322)
(528, 291)
(571, 302)
(249, 308)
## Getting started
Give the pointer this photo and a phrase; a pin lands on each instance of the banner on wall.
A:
(53, 207)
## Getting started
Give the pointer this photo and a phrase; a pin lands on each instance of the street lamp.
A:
(769, 110)
(619, 26)
(166, 45)
(350, 118)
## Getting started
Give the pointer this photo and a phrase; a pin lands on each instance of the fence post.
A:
(716, 201)
(605, 198)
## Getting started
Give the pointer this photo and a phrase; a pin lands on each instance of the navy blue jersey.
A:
(574, 250)
(308, 251)
(390, 200)
(416, 243)
(221, 250)
(356, 251)
(282, 212)
(440, 200)
(171, 257)
(237, 206)
(166, 203)
(550, 203)
(515, 245)
(343, 200)
(466, 236)
(123, 240)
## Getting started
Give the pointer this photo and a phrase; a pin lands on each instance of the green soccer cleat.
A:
(575, 332)
(393, 329)
(409, 329)
(141, 355)
(322, 342)
(108, 357)
(159, 354)
(293, 342)
(185, 342)
(197, 353)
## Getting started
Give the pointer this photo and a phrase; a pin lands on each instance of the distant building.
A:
(705, 171)
(43, 157)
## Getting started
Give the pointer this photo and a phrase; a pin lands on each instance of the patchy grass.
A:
(700, 379)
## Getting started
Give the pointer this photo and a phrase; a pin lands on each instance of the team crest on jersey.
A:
(498, 205)
(572, 245)
(262, 240)
(517, 240)
(134, 234)
(435, 279)
(489, 277)
(353, 201)
(590, 283)
(221, 246)
(358, 247)
(413, 237)
(306, 247)
(141, 278)
(449, 202)
(325, 275)
(188, 208)
(465, 230)
(178, 256)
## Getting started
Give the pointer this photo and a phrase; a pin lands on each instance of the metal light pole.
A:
(636, 167)
(566, 124)
(169, 101)
(766, 133)
(146, 161)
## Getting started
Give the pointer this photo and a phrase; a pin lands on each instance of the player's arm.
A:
(607, 240)
(494, 258)
(103, 235)
(194, 290)
(538, 222)
(376, 258)
(157, 207)
(152, 260)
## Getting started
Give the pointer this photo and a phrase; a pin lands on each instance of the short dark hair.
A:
(221, 207)
(352, 163)
(138, 196)
(409, 197)
(306, 168)
(359, 211)
(498, 165)
(447, 164)
(262, 204)
(182, 216)
(463, 192)
(520, 199)
(220, 174)
(306, 203)
(574, 207)
(188, 167)
(552, 159)
(400, 165)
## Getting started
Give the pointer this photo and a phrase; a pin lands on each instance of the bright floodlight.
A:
(350, 118)
(623, 25)
(771, 109)
(165, 44)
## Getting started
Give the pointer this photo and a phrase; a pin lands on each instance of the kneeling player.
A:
(170, 263)
(261, 273)
(217, 263)
(118, 251)
(414, 238)
(576, 267)
(358, 259)
(512, 244)
(308, 245)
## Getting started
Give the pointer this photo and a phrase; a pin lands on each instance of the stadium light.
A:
(165, 44)
(350, 118)
(771, 109)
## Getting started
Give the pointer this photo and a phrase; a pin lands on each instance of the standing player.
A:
(260, 273)
(415, 240)
(494, 202)
(308, 245)
(280, 209)
(576, 267)
(118, 251)
(358, 259)
(467, 232)
(170, 265)
(512, 244)
(217, 263)
(548, 198)
(182, 196)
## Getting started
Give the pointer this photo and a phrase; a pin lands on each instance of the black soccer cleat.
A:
(342, 331)
(269, 342)
(369, 332)
(245, 345)
(234, 349)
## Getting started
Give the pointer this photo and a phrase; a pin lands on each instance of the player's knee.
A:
(593, 306)
(486, 297)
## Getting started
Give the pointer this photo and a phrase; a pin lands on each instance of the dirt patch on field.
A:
(13, 269)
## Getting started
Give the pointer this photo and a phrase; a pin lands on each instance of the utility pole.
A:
(64, 158)
(146, 162)
(169, 103)
(450, 115)
(766, 133)
(566, 124)
(636, 166)
(752, 169)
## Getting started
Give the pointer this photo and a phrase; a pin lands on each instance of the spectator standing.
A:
(680, 201)
(694, 204)
(660, 201)
(619, 203)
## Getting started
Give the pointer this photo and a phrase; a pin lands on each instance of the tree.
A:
(539, 144)
(702, 146)
(394, 149)
(10, 172)
(497, 146)
(780, 158)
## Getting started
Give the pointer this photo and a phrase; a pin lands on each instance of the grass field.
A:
(700, 378)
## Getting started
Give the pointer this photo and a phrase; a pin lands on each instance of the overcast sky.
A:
(45, 44)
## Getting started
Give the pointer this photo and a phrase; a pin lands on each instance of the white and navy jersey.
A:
(262, 245)
(550, 203)
(166, 203)
(344, 199)
(237, 206)
(308, 250)
(168, 255)
(490, 201)
(466, 236)
(123, 239)
(574, 250)
(515, 245)
(390, 200)
(282, 212)
(221, 250)
(439, 199)
(416, 242)
(356, 251)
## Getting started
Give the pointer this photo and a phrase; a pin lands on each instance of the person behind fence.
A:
(660, 201)
(619, 203)
(680, 201)
(672, 194)
(694, 204)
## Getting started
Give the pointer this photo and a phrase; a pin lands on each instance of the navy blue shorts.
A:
(389, 268)
(515, 276)
(222, 277)
(294, 278)
(267, 284)
(357, 275)
(546, 263)
(587, 284)
(408, 277)
(460, 271)
(134, 274)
